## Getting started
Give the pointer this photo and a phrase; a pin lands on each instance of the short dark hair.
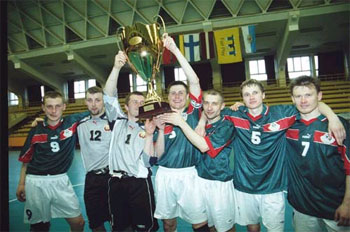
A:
(252, 82)
(215, 93)
(127, 98)
(305, 81)
(93, 90)
(177, 83)
(52, 94)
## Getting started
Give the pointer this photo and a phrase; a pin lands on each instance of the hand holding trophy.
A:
(143, 47)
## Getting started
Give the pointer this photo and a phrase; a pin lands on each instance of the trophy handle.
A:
(161, 19)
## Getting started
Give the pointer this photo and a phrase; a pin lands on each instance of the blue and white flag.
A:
(248, 33)
(191, 46)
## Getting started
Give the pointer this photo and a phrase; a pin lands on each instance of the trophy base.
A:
(149, 110)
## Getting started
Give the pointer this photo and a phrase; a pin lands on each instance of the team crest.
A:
(274, 126)
(107, 128)
(142, 134)
(67, 133)
(327, 139)
(172, 135)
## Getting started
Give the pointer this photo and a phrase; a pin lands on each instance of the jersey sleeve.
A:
(220, 138)
(195, 103)
(345, 148)
(113, 109)
(77, 117)
(288, 110)
(27, 151)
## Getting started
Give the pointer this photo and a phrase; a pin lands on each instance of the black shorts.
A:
(96, 199)
(132, 204)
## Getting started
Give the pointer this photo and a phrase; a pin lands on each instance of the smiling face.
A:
(94, 103)
(53, 108)
(212, 106)
(306, 100)
(177, 97)
(253, 96)
(133, 105)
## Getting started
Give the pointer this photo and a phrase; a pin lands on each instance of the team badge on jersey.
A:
(107, 128)
(172, 135)
(66, 134)
(142, 134)
(327, 139)
(274, 126)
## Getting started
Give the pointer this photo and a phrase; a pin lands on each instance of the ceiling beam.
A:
(48, 79)
(93, 70)
(290, 33)
(191, 27)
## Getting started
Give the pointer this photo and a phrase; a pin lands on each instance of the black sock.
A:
(41, 226)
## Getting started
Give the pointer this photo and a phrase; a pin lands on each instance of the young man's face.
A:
(94, 103)
(252, 96)
(177, 97)
(53, 108)
(306, 99)
(212, 106)
(133, 105)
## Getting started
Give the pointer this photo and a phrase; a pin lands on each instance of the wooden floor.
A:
(77, 177)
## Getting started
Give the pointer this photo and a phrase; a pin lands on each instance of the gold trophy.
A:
(143, 46)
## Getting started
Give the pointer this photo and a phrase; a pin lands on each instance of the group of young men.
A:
(276, 148)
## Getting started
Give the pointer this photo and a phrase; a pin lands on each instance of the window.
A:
(138, 84)
(79, 89)
(180, 75)
(91, 83)
(257, 70)
(12, 99)
(42, 91)
(316, 65)
(298, 66)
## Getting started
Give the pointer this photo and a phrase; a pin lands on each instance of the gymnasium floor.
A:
(77, 176)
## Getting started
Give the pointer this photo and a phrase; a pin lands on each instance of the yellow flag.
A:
(181, 44)
(228, 46)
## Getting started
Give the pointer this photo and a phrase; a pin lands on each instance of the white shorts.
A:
(49, 197)
(178, 195)
(269, 207)
(219, 201)
(303, 222)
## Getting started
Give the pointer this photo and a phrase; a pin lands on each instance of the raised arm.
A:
(335, 126)
(192, 77)
(111, 84)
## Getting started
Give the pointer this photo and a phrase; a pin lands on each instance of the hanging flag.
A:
(191, 47)
(207, 45)
(181, 44)
(248, 33)
(228, 48)
(168, 57)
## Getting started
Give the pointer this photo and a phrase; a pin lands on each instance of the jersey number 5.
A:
(256, 137)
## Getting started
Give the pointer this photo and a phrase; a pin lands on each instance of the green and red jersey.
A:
(259, 148)
(215, 163)
(49, 150)
(179, 152)
(317, 167)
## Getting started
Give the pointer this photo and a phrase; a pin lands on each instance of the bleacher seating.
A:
(335, 93)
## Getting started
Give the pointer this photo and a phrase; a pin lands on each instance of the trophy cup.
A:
(143, 46)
